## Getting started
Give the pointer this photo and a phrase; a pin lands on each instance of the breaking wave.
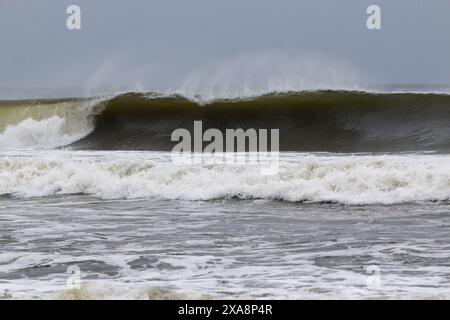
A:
(330, 121)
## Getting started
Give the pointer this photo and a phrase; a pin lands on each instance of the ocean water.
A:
(137, 226)
(93, 207)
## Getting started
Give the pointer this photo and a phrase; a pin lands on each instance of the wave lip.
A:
(354, 180)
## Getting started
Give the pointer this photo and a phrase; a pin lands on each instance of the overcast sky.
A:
(156, 43)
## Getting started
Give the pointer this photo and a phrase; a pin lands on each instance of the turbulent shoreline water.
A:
(137, 226)
(171, 249)
(85, 183)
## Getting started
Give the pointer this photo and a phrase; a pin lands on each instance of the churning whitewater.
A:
(345, 179)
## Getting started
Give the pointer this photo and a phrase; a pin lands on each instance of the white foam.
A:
(311, 283)
(37, 133)
(51, 125)
(344, 179)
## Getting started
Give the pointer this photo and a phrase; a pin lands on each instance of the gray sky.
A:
(163, 43)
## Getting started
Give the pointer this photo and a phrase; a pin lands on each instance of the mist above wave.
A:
(254, 75)
(247, 74)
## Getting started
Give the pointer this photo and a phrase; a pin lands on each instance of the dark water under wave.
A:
(316, 121)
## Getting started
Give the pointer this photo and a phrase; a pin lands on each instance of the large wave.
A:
(334, 121)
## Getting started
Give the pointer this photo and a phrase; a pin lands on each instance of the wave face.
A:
(329, 121)
(302, 178)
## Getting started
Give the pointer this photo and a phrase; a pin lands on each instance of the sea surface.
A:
(92, 205)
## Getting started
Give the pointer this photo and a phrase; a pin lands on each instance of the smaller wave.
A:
(353, 180)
